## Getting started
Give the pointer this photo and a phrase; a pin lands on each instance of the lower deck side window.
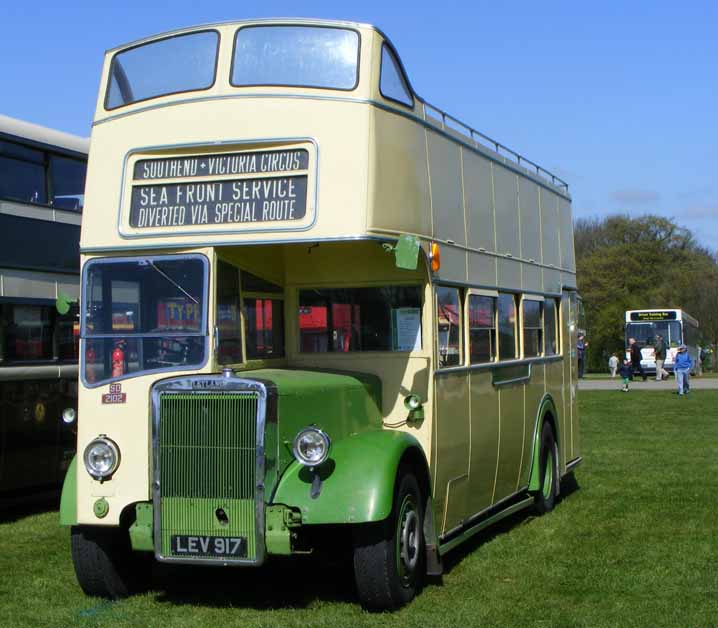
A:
(386, 318)
(448, 321)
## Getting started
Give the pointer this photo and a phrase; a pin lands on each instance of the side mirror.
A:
(406, 252)
(63, 303)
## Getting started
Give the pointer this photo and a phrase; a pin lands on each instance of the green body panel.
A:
(357, 480)
(339, 403)
(207, 449)
(196, 516)
(141, 529)
(68, 501)
(279, 521)
(547, 405)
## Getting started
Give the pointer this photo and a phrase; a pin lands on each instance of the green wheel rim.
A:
(548, 476)
(407, 541)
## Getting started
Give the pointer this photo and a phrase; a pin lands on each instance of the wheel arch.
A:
(359, 484)
(547, 412)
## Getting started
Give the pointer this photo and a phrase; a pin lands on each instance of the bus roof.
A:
(48, 138)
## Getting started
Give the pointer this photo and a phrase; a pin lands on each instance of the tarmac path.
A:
(697, 383)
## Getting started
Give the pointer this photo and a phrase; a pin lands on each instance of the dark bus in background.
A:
(42, 180)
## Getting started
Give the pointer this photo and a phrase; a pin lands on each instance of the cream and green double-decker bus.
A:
(310, 301)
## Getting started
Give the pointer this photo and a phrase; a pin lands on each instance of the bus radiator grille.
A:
(207, 462)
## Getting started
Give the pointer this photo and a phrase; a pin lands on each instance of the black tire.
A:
(105, 564)
(389, 556)
(545, 498)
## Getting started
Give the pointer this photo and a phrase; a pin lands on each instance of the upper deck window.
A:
(167, 66)
(392, 83)
(296, 56)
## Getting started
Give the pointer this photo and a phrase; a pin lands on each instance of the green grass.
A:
(634, 545)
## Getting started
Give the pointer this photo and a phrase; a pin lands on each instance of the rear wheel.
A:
(105, 564)
(389, 556)
(545, 498)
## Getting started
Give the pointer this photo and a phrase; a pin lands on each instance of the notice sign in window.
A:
(238, 192)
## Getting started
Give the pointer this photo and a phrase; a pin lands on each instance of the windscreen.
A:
(143, 315)
(645, 333)
(302, 56)
(167, 66)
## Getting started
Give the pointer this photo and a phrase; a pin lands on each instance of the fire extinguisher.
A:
(90, 357)
(118, 362)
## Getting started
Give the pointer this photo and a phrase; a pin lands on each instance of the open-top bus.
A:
(42, 178)
(676, 326)
(310, 301)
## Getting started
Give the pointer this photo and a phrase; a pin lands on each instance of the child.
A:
(613, 364)
(625, 372)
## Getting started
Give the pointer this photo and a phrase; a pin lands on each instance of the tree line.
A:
(626, 263)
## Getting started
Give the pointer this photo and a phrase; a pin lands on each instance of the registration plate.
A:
(223, 546)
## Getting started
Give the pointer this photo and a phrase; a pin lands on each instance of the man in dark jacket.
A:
(635, 351)
(660, 353)
(581, 345)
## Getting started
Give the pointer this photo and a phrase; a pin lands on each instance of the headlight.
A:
(311, 446)
(102, 457)
(69, 415)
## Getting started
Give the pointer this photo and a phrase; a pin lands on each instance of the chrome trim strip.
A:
(514, 380)
(216, 383)
(488, 366)
(573, 464)
(185, 245)
(201, 233)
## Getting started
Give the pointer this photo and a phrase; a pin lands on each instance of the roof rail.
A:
(434, 115)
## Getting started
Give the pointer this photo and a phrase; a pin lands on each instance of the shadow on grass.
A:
(569, 485)
(281, 583)
(18, 506)
(299, 581)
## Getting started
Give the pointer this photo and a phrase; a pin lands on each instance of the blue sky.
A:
(619, 98)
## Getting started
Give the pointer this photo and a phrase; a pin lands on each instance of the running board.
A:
(484, 523)
(573, 464)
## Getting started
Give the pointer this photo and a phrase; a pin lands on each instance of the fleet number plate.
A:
(224, 546)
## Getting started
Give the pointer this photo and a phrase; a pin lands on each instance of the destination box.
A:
(235, 201)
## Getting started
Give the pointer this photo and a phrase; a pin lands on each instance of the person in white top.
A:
(613, 364)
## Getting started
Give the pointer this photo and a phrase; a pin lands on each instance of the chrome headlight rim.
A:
(114, 449)
(322, 435)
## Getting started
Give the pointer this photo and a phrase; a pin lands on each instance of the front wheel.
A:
(389, 556)
(105, 564)
(545, 499)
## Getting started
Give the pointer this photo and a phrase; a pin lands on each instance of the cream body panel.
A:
(335, 131)
(512, 404)
(484, 440)
(479, 201)
(453, 442)
(447, 203)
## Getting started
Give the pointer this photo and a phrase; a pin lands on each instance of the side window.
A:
(392, 83)
(22, 173)
(533, 328)
(482, 329)
(229, 347)
(448, 321)
(32, 333)
(263, 317)
(550, 322)
(507, 327)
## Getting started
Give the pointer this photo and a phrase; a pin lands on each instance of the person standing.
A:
(613, 364)
(626, 373)
(660, 352)
(635, 352)
(682, 368)
(581, 345)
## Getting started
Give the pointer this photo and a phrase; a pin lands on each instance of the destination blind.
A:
(240, 200)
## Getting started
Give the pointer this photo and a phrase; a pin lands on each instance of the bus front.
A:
(645, 325)
(243, 341)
